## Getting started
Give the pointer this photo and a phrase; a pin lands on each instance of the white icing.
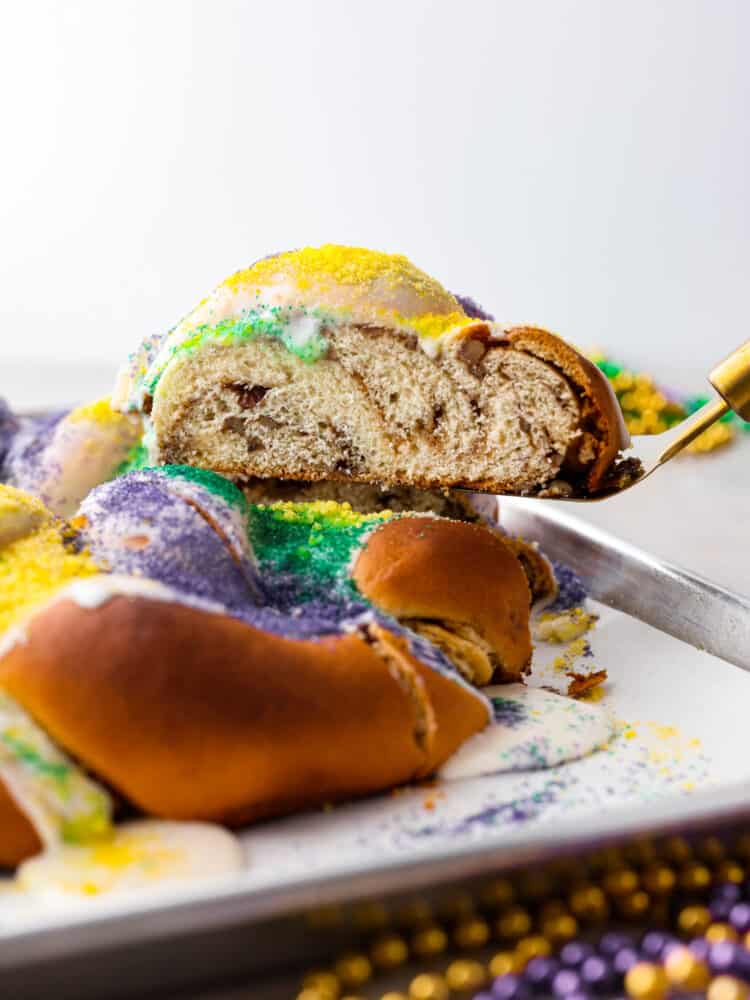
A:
(137, 855)
(554, 729)
(95, 591)
(57, 797)
(13, 636)
(302, 330)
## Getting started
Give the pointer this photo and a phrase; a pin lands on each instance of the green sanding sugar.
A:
(315, 539)
(137, 458)
(212, 482)
(298, 329)
(30, 756)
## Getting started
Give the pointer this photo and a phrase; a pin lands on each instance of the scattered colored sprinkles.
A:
(650, 409)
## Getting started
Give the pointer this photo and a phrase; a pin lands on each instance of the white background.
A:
(582, 164)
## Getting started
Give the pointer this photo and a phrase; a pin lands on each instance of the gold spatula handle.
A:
(731, 379)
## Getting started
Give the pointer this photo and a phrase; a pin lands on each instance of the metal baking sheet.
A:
(129, 946)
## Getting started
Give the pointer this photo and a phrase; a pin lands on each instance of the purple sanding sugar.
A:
(473, 309)
(9, 427)
(508, 713)
(571, 589)
(135, 526)
(25, 452)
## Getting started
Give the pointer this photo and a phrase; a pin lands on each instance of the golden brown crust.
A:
(422, 567)
(192, 715)
(18, 839)
(603, 411)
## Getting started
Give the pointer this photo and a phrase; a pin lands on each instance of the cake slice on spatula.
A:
(340, 363)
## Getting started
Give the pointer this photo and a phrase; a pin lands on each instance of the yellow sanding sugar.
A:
(432, 325)
(330, 513)
(333, 265)
(15, 501)
(99, 412)
(32, 569)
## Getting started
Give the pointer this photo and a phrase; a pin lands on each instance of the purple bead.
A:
(612, 941)
(700, 948)
(654, 943)
(625, 959)
(565, 982)
(540, 971)
(739, 917)
(597, 974)
(722, 956)
(484, 995)
(510, 987)
(719, 909)
(729, 891)
(574, 953)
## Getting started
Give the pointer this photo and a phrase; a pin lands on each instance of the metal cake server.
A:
(730, 379)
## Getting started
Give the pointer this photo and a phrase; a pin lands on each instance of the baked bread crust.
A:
(601, 409)
(18, 838)
(193, 715)
(449, 572)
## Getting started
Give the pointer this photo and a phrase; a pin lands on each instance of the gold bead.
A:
(472, 933)
(726, 988)
(685, 971)
(695, 877)
(353, 969)
(730, 871)
(675, 850)
(325, 983)
(711, 850)
(391, 995)
(620, 882)
(312, 993)
(646, 981)
(456, 906)
(389, 951)
(693, 920)
(504, 962)
(428, 986)
(498, 893)
(351, 996)
(533, 946)
(560, 928)
(588, 903)
(429, 941)
(415, 913)
(659, 880)
(513, 923)
(370, 917)
(720, 932)
(635, 905)
(464, 974)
